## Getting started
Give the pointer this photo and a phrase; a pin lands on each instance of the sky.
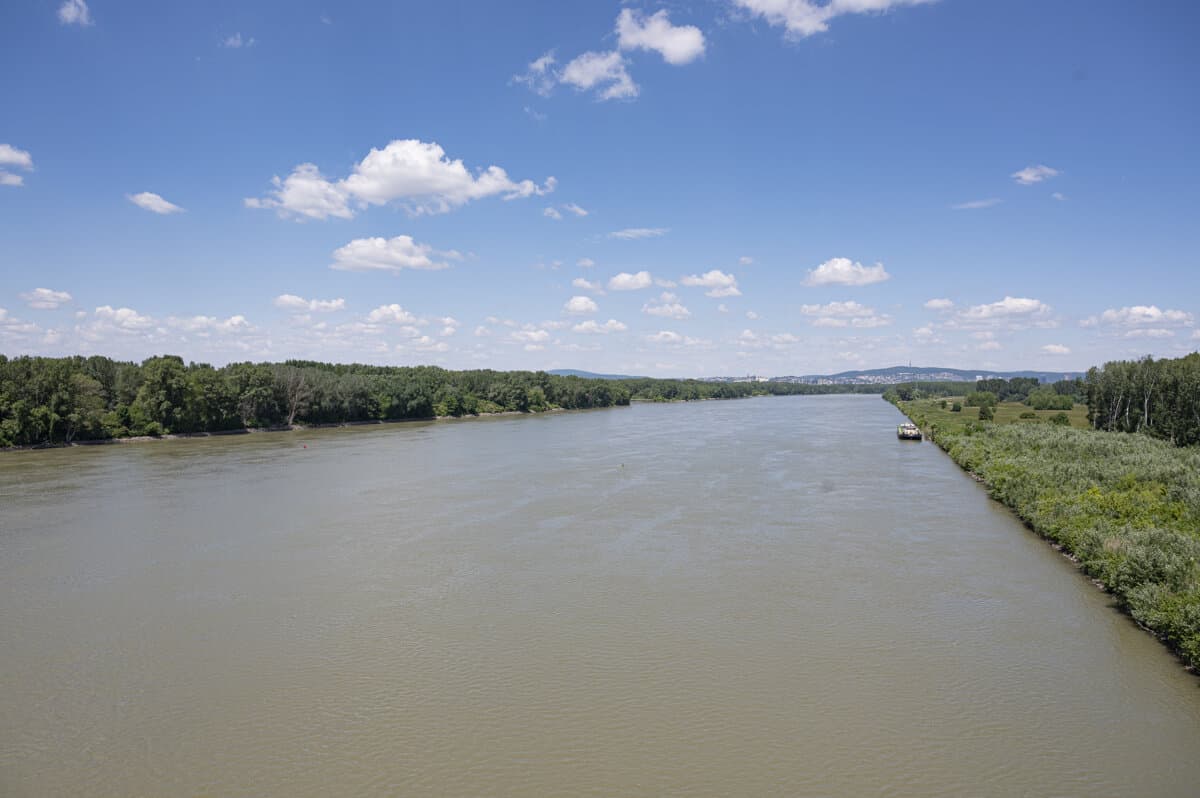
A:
(715, 187)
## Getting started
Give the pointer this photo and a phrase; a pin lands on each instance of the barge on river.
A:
(908, 432)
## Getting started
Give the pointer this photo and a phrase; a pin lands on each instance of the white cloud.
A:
(634, 233)
(926, 335)
(539, 76)
(722, 308)
(843, 271)
(668, 306)
(1056, 349)
(745, 260)
(45, 298)
(1034, 174)
(845, 314)
(551, 213)
(718, 282)
(482, 332)
(1150, 332)
(579, 305)
(75, 12)
(939, 304)
(236, 42)
(750, 314)
(575, 209)
(603, 71)
(210, 324)
(677, 44)
(391, 314)
(1058, 195)
(585, 263)
(591, 327)
(293, 302)
(630, 282)
(148, 200)
(416, 174)
(671, 337)
(588, 285)
(977, 204)
(1141, 315)
(125, 319)
(529, 336)
(801, 18)
(1007, 308)
(11, 156)
(389, 255)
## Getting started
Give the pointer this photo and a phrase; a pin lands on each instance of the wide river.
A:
(760, 597)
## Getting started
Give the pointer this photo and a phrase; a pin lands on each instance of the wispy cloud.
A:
(634, 233)
(1034, 174)
(75, 12)
(148, 200)
(975, 205)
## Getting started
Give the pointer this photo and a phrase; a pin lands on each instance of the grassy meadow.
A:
(931, 417)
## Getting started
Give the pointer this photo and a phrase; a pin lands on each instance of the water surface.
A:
(759, 597)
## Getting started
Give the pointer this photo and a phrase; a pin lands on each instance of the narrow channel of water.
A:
(759, 597)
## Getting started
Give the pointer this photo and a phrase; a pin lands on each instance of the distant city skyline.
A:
(725, 188)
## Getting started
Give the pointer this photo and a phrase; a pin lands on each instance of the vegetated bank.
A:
(54, 401)
(1125, 507)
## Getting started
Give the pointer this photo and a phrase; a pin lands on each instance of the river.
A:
(760, 597)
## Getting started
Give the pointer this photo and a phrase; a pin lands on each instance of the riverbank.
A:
(293, 428)
(1125, 508)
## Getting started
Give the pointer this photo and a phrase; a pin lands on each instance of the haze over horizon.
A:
(729, 187)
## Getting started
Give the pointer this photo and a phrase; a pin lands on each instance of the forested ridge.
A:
(1126, 507)
(45, 401)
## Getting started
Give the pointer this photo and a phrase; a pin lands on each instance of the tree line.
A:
(1160, 398)
(62, 400)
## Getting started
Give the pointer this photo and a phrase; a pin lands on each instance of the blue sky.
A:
(723, 187)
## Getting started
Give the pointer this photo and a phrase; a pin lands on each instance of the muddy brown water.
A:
(760, 597)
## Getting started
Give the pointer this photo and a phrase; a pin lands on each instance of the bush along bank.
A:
(1125, 507)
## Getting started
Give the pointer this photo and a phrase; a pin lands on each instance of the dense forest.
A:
(1157, 397)
(62, 400)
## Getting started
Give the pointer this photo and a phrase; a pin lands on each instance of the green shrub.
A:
(956, 407)
(1029, 414)
(986, 413)
(1062, 419)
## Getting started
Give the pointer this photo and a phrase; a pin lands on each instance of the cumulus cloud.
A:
(1141, 316)
(1021, 309)
(677, 44)
(389, 255)
(1150, 332)
(845, 314)
(1034, 174)
(802, 18)
(939, 304)
(579, 305)
(750, 314)
(634, 233)
(630, 282)
(551, 213)
(668, 306)
(206, 325)
(293, 302)
(148, 200)
(974, 205)
(588, 285)
(606, 72)
(1056, 349)
(592, 327)
(75, 12)
(391, 314)
(530, 336)
(585, 263)
(125, 319)
(674, 338)
(745, 260)
(10, 156)
(415, 174)
(45, 298)
(718, 283)
(843, 271)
